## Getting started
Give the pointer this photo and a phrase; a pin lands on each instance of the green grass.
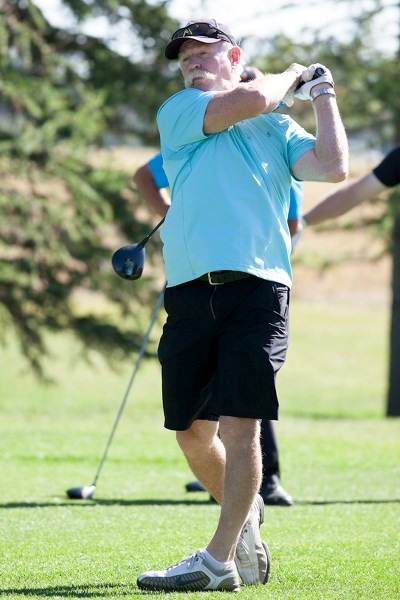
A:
(340, 461)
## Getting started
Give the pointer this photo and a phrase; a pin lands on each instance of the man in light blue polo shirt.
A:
(151, 181)
(195, 213)
(230, 160)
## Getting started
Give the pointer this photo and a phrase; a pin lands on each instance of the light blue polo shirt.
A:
(155, 165)
(229, 191)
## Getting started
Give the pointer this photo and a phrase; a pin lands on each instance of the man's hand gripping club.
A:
(311, 77)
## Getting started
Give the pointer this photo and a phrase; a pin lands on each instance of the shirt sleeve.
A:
(296, 199)
(155, 165)
(300, 141)
(180, 119)
(388, 170)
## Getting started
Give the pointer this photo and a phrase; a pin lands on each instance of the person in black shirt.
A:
(385, 175)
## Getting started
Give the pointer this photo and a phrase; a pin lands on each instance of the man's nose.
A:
(194, 63)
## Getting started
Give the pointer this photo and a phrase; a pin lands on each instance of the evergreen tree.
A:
(62, 92)
(62, 218)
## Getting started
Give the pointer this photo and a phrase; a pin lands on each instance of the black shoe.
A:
(194, 486)
(273, 493)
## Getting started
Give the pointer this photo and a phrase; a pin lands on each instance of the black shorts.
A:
(221, 348)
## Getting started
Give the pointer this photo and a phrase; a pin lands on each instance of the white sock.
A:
(214, 562)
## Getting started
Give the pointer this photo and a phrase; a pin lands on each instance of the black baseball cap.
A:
(207, 31)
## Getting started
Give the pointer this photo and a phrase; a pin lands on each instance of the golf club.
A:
(128, 261)
(85, 492)
(319, 71)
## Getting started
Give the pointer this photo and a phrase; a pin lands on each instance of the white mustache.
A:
(197, 73)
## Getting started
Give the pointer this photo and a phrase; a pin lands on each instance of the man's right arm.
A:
(247, 100)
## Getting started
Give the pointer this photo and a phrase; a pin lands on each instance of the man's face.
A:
(207, 66)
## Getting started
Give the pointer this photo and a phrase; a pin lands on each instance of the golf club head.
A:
(128, 261)
(83, 492)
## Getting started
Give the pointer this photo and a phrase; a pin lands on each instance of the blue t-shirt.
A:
(296, 199)
(155, 165)
(229, 191)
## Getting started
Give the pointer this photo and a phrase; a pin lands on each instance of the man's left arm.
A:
(328, 160)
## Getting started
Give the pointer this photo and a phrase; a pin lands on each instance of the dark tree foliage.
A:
(393, 399)
(63, 93)
(368, 85)
(365, 80)
(136, 81)
(62, 217)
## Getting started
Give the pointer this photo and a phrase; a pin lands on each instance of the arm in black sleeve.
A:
(388, 171)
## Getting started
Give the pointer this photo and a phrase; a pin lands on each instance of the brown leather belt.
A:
(221, 277)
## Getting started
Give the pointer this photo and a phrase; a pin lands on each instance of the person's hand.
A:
(311, 77)
(250, 73)
(288, 98)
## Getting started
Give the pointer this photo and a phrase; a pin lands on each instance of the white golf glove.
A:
(315, 74)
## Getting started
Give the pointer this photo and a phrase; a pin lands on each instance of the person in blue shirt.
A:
(229, 160)
(152, 183)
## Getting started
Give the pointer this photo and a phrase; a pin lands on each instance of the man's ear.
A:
(235, 55)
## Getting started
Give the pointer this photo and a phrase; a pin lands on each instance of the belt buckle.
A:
(211, 282)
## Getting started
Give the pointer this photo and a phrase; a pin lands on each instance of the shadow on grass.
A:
(70, 591)
(105, 502)
(340, 417)
(327, 502)
(170, 502)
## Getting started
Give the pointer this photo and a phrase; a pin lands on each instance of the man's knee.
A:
(186, 440)
(197, 438)
(240, 433)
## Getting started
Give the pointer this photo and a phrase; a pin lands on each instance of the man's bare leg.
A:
(230, 468)
(205, 454)
(243, 472)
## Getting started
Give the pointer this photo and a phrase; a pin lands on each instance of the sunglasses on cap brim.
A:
(202, 30)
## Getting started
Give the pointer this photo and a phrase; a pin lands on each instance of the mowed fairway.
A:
(340, 456)
(340, 461)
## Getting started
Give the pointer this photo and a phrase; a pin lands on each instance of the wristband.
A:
(330, 91)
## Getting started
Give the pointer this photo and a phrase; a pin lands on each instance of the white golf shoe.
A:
(192, 574)
(252, 555)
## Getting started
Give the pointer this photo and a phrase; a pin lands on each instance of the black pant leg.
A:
(269, 448)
